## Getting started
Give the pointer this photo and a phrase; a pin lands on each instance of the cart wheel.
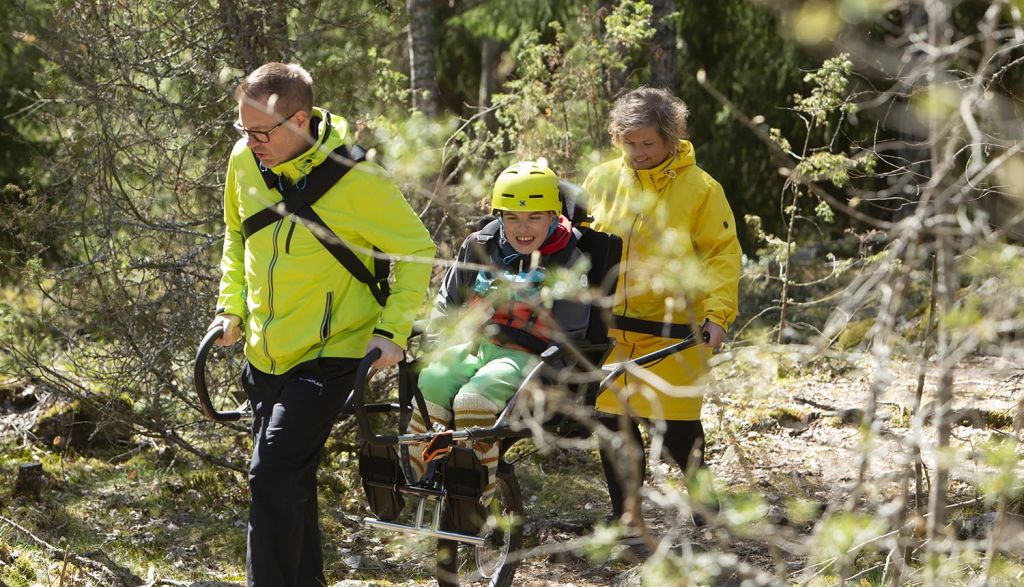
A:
(489, 564)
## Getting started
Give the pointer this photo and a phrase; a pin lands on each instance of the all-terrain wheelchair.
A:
(445, 502)
(474, 543)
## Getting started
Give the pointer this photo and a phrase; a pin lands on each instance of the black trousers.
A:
(293, 416)
(682, 442)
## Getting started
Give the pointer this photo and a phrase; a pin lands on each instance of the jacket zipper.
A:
(629, 245)
(270, 297)
(629, 249)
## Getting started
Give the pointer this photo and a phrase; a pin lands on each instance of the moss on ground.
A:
(139, 512)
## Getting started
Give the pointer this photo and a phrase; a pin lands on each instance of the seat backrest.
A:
(574, 202)
(605, 253)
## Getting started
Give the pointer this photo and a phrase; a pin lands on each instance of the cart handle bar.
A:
(358, 405)
(647, 359)
(199, 380)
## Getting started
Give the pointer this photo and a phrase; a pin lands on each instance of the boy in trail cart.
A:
(470, 383)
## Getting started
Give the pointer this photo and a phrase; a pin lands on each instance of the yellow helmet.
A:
(526, 187)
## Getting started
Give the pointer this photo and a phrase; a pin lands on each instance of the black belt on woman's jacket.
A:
(652, 327)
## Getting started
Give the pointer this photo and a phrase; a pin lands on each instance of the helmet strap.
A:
(501, 229)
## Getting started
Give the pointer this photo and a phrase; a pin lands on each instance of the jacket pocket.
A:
(288, 239)
(325, 323)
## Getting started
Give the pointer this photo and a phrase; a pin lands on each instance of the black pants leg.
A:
(611, 461)
(683, 442)
(311, 565)
(294, 413)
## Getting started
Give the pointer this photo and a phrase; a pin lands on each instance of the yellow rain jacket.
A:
(297, 302)
(681, 264)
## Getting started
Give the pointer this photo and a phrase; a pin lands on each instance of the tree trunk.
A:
(490, 50)
(275, 31)
(943, 148)
(947, 280)
(615, 79)
(663, 46)
(259, 35)
(422, 64)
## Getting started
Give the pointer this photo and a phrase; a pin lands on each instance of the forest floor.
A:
(779, 436)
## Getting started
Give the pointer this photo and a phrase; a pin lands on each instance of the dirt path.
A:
(800, 437)
(777, 436)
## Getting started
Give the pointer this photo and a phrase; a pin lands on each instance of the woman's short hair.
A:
(288, 85)
(649, 107)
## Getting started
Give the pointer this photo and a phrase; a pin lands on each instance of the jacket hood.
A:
(332, 132)
(659, 176)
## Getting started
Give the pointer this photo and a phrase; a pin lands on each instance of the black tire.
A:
(461, 564)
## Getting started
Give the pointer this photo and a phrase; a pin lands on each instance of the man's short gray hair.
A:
(645, 107)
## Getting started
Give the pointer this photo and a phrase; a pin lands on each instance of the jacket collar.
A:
(657, 178)
(331, 132)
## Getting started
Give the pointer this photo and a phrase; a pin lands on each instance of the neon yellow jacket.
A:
(681, 263)
(297, 302)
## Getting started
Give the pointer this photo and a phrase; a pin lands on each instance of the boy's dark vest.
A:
(515, 322)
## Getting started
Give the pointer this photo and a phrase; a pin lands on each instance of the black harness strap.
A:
(606, 254)
(300, 203)
(378, 286)
(520, 337)
(318, 181)
(409, 397)
(652, 327)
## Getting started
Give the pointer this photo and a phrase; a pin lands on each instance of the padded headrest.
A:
(574, 202)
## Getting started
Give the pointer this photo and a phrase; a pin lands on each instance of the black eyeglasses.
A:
(260, 136)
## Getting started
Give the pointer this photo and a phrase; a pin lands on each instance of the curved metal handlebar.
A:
(357, 402)
(199, 380)
(363, 374)
(619, 368)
